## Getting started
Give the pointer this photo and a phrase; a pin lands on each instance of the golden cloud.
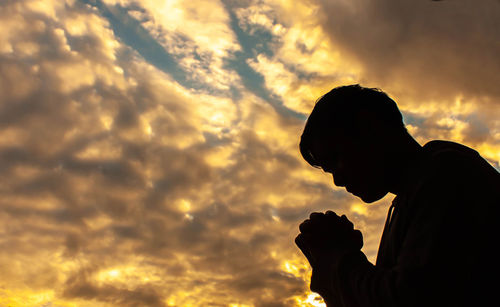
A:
(123, 187)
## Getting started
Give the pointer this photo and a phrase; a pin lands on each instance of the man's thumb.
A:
(302, 245)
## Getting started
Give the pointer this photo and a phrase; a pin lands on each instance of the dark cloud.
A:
(78, 286)
(259, 281)
(424, 49)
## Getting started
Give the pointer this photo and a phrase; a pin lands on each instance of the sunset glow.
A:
(149, 149)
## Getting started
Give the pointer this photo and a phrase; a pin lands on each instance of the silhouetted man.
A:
(439, 243)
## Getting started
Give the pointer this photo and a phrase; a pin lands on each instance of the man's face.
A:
(358, 166)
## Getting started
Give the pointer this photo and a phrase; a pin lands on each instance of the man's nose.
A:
(338, 179)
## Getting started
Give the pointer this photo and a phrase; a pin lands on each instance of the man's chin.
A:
(370, 198)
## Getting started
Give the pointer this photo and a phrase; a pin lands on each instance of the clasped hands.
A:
(324, 239)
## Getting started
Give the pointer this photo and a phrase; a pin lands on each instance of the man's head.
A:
(353, 132)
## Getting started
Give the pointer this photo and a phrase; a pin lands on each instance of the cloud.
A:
(122, 186)
(199, 42)
(78, 287)
(431, 50)
(113, 177)
(299, 64)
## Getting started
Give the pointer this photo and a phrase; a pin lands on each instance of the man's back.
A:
(441, 236)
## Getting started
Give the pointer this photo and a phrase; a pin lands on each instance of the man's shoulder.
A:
(457, 179)
(446, 155)
(454, 163)
(446, 149)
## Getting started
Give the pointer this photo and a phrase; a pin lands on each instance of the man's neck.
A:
(405, 165)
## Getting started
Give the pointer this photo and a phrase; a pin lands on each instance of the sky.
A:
(149, 149)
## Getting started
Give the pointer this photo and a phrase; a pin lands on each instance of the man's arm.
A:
(324, 239)
(428, 271)
(352, 281)
(445, 254)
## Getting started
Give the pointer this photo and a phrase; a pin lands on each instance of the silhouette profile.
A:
(438, 243)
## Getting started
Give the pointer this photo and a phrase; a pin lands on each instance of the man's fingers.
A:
(332, 217)
(330, 213)
(299, 241)
(316, 216)
(305, 226)
(319, 222)
(302, 245)
(358, 237)
(348, 224)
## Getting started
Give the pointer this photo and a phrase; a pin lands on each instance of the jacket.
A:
(439, 241)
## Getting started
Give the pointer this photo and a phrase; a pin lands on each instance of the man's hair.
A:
(338, 109)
